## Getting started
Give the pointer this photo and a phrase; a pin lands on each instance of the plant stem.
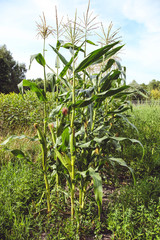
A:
(45, 89)
(42, 140)
(72, 147)
(84, 75)
(94, 118)
(57, 177)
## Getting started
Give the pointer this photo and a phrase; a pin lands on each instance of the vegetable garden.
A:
(77, 163)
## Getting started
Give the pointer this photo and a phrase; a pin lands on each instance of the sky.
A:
(138, 20)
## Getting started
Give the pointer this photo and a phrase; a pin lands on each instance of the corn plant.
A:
(87, 105)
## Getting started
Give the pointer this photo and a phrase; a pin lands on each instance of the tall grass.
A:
(146, 118)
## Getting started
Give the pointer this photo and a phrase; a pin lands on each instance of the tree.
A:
(140, 91)
(154, 84)
(11, 72)
(155, 93)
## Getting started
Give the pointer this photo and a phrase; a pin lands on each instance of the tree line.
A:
(151, 90)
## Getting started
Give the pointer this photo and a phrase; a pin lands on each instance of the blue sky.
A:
(138, 20)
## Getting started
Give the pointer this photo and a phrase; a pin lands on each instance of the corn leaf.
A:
(70, 45)
(107, 80)
(127, 121)
(68, 65)
(108, 55)
(97, 54)
(97, 184)
(13, 137)
(90, 42)
(34, 88)
(107, 66)
(65, 160)
(65, 139)
(64, 61)
(84, 145)
(100, 140)
(121, 162)
(98, 97)
(134, 141)
(16, 152)
(55, 111)
(39, 58)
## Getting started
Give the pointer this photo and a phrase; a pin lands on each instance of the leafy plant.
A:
(81, 122)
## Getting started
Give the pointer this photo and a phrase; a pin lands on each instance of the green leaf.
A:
(84, 174)
(108, 55)
(68, 65)
(16, 152)
(80, 132)
(121, 162)
(58, 45)
(98, 97)
(90, 42)
(121, 94)
(127, 121)
(107, 80)
(34, 88)
(120, 110)
(52, 80)
(65, 139)
(13, 137)
(95, 55)
(64, 81)
(102, 96)
(64, 61)
(70, 45)
(83, 103)
(39, 58)
(108, 65)
(130, 139)
(65, 160)
(97, 184)
(100, 140)
(84, 145)
(55, 111)
(134, 141)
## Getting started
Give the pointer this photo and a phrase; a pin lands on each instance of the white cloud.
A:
(146, 12)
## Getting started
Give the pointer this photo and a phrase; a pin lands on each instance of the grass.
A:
(128, 212)
(134, 213)
(20, 188)
(146, 119)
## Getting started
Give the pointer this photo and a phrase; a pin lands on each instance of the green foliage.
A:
(155, 94)
(21, 186)
(141, 92)
(83, 114)
(11, 72)
(134, 213)
(154, 84)
(16, 110)
(34, 88)
(40, 83)
(147, 120)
